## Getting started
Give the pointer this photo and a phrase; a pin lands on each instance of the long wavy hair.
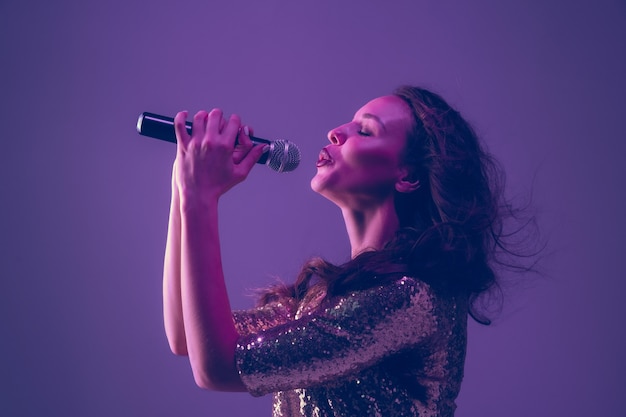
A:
(451, 233)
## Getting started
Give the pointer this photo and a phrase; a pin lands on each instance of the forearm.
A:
(172, 302)
(210, 332)
(215, 158)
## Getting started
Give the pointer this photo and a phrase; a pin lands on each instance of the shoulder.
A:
(405, 299)
(406, 288)
(411, 285)
(406, 293)
(264, 317)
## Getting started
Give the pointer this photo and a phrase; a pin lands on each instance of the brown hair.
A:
(451, 233)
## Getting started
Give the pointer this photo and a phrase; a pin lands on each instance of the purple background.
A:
(85, 199)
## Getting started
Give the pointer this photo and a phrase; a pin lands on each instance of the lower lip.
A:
(323, 162)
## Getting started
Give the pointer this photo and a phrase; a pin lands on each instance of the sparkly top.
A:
(393, 350)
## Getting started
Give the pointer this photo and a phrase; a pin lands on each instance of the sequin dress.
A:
(393, 350)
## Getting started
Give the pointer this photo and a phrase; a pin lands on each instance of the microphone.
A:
(283, 156)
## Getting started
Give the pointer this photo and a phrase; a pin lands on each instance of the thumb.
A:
(251, 158)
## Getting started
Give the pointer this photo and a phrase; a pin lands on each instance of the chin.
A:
(319, 186)
(316, 187)
(317, 183)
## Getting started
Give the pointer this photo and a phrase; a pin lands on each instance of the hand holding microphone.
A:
(282, 156)
(215, 157)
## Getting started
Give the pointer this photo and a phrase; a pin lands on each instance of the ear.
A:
(406, 183)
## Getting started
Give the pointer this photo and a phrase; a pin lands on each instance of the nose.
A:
(337, 136)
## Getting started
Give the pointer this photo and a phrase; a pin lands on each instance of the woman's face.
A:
(363, 161)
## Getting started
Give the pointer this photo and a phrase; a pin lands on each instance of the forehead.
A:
(389, 109)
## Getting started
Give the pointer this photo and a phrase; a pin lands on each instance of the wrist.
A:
(193, 201)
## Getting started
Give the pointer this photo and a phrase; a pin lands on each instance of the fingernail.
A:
(266, 148)
(246, 130)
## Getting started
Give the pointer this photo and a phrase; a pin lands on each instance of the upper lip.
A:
(324, 155)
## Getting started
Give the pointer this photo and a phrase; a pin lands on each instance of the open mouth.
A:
(324, 158)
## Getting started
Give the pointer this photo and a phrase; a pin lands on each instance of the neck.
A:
(370, 228)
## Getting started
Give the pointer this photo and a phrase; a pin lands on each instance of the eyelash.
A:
(364, 132)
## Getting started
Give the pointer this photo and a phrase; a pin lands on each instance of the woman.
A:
(384, 333)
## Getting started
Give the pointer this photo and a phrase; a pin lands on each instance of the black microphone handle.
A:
(162, 127)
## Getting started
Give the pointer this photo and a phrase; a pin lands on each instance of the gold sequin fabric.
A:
(393, 350)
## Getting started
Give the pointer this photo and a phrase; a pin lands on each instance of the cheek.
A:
(369, 156)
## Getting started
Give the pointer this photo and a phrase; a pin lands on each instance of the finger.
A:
(243, 138)
(246, 164)
(182, 137)
(243, 141)
(229, 134)
(198, 129)
(214, 121)
(244, 144)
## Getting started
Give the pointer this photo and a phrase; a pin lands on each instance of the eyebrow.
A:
(373, 116)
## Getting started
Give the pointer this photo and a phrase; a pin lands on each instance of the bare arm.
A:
(207, 166)
(211, 335)
(172, 303)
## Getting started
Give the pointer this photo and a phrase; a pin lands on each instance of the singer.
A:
(383, 334)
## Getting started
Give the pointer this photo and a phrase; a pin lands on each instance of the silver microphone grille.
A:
(283, 156)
